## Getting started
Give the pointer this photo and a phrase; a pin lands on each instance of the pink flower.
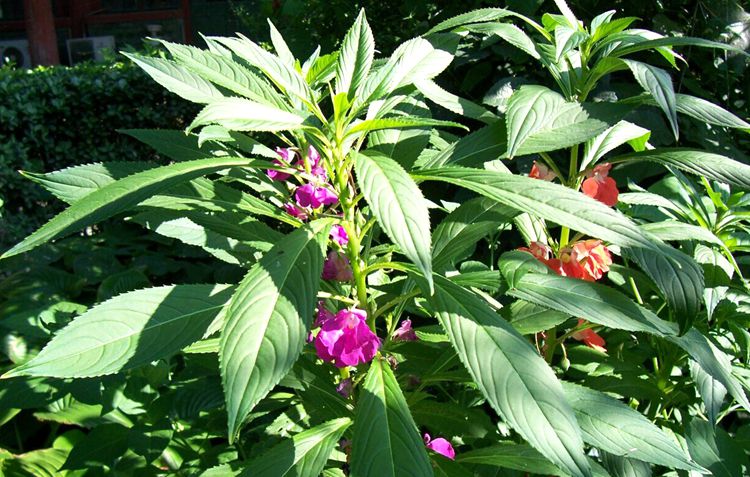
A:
(287, 154)
(346, 339)
(339, 235)
(345, 388)
(600, 186)
(295, 211)
(405, 332)
(540, 171)
(590, 338)
(337, 267)
(310, 195)
(441, 446)
(316, 169)
(323, 316)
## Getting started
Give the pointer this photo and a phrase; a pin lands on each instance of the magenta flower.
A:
(345, 388)
(337, 267)
(287, 155)
(440, 445)
(295, 211)
(339, 235)
(316, 168)
(310, 195)
(346, 339)
(405, 332)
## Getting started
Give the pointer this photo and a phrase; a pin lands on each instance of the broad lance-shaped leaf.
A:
(122, 195)
(74, 183)
(399, 206)
(516, 381)
(129, 330)
(239, 114)
(175, 144)
(268, 319)
(401, 122)
(457, 234)
(657, 82)
(539, 119)
(676, 274)
(177, 79)
(613, 137)
(305, 453)
(355, 57)
(454, 103)
(385, 440)
(225, 72)
(611, 425)
(606, 306)
(695, 161)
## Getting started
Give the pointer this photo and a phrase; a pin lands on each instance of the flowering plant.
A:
(359, 329)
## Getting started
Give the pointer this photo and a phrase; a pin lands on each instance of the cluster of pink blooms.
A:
(344, 338)
(311, 195)
(597, 185)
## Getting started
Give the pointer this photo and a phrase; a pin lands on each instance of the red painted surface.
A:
(40, 30)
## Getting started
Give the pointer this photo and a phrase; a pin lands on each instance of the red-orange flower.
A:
(593, 257)
(540, 171)
(600, 186)
(587, 260)
(590, 338)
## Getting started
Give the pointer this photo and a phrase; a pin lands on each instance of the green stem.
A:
(551, 343)
(564, 236)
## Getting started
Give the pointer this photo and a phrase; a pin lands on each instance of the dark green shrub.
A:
(54, 117)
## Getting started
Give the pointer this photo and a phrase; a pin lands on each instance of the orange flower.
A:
(590, 338)
(593, 257)
(540, 171)
(600, 186)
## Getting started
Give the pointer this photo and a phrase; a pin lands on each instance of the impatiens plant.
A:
(483, 277)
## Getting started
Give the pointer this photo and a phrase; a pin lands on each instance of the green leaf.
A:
(239, 114)
(268, 319)
(600, 304)
(708, 112)
(473, 150)
(480, 15)
(122, 195)
(177, 79)
(539, 119)
(628, 47)
(282, 49)
(414, 60)
(711, 391)
(612, 138)
(385, 440)
(284, 76)
(714, 449)
(566, 39)
(226, 73)
(101, 447)
(456, 235)
(676, 274)
(355, 57)
(611, 425)
(698, 162)
(173, 144)
(657, 82)
(128, 331)
(619, 466)
(510, 455)
(669, 230)
(399, 206)
(305, 453)
(403, 145)
(508, 32)
(528, 318)
(453, 103)
(402, 122)
(231, 237)
(516, 381)
(73, 183)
